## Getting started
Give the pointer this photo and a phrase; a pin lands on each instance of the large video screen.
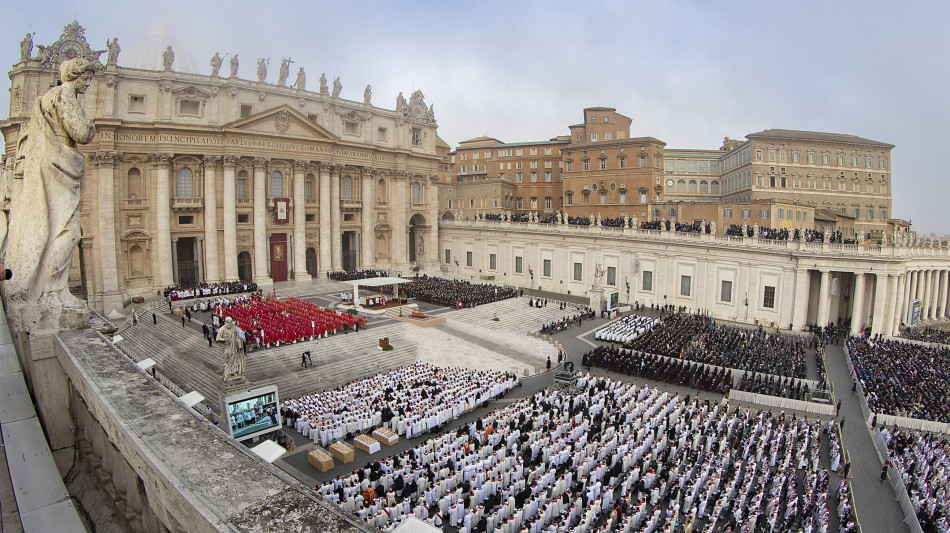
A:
(253, 413)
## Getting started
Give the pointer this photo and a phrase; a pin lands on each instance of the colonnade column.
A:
(367, 213)
(942, 295)
(432, 206)
(857, 311)
(230, 220)
(212, 274)
(162, 162)
(300, 223)
(890, 304)
(911, 292)
(400, 202)
(111, 298)
(802, 289)
(899, 304)
(336, 238)
(325, 218)
(934, 293)
(260, 220)
(824, 298)
(925, 299)
(880, 298)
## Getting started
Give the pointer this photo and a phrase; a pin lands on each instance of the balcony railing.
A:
(135, 203)
(187, 204)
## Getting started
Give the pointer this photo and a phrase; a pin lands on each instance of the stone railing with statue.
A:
(791, 239)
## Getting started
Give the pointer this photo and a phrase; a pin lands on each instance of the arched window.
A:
(346, 188)
(308, 188)
(681, 186)
(715, 187)
(134, 184)
(416, 193)
(185, 183)
(692, 186)
(381, 195)
(703, 186)
(276, 184)
(240, 186)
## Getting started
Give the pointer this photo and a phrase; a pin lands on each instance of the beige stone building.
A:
(208, 177)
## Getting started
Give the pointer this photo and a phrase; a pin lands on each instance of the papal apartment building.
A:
(775, 178)
(209, 177)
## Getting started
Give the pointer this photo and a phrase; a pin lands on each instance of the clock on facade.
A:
(417, 109)
(70, 50)
(669, 183)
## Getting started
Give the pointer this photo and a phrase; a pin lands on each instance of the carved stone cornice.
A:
(260, 163)
(299, 167)
(400, 175)
(324, 167)
(111, 80)
(160, 160)
(211, 160)
(229, 161)
(434, 178)
(232, 92)
(106, 157)
(165, 86)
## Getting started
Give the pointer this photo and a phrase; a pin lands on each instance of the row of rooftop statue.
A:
(168, 60)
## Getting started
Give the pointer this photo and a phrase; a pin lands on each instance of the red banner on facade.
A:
(281, 210)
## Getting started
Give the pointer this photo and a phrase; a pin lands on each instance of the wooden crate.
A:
(320, 460)
(342, 452)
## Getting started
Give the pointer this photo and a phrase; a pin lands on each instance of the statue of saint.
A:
(44, 226)
(401, 102)
(284, 72)
(261, 69)
(367, 95)
(230, 339)
(234, 65)
(420, 245)
(26, 46)
(113, 46)
(337, 87)
(215, 65)
(598, 276)
(168, 58)
(323, 84)
(301, 83)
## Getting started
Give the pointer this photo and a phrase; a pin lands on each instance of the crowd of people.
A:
(202, 290)
(771, 385)
(927, 335)
(565, 323)
(350, 275)
(659, 368)
(614, 457)
(903, 378)
(455, 293)
(409, 400)
(755, 350)
(626, 329)
(272, 322)
(923, 459)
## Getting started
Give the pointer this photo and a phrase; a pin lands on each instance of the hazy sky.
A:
(688, 73)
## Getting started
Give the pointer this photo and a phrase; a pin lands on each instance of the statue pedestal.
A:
(597, 298)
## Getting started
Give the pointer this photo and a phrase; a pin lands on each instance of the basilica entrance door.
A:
(278, 256)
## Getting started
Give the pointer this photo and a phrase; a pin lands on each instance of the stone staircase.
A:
(184, 357)
(514, 315)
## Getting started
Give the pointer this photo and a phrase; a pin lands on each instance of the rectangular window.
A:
(685, 282)
(623, 162)
(240, 189)
(643, 161)
(310, 217)
(519, 152)
(883, 164)
(189, 107)
(464, 169)
(781, 214)
(547, 177)
(825, 159)
(656, 213)
(672, 213)
(547, 164)
(533, 164)
(593, 137)
(519, 165)
(468, 259)
(647, 281)
(570, 166)
(746, 213)
(547, 202)
(492, 261)
(519, 177)
(725, 293)
(643, 197)
(578, 272)
(623, 197)
(854, 161)
(727, 213)
(416, 136)
(448, 256)
(771, 156)
(612, 276)
(546, 265)
(603, 164)
(547, 151)
(796, 157)
(475, 155)
(608, 136)
(768, 300)
(137, 104)
(246, 110)
(534, 177)
(570, 199)
(764, 213)
(798, 216)
(382, 134)
(243, 218)
(186, 219)
(868, 163)
(586, 164)
(781, 156)
(519, 264)
(520, 203)
(308, 190)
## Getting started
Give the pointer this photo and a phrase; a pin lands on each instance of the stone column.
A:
(175, 260)
(857, 312)
(199, 255)
(925, 295)
(880, 299)
(911, 291)
(368, 214)
(300, 222)
(934, 293)
(942, 295)
(260, 222)
(166, 276)
(899, 304)
(824, 298)
(336, 237)
(802, 292)
(111, 297)
(890, 305)
(212, 274)
(325, 218)
(230, 220)
(399, 203)
(432, 206)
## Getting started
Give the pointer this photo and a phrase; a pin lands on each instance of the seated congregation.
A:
(455, 293)
(203, 290)
(614, 457)
(923, 459)
(272, 322)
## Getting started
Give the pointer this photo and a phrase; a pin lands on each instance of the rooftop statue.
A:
(168, 58)
(262, 69)
(301, 83)
(367, 95)
(44, 224)
(337, 87)
(113, 46)
(323, 84)
(284, 72)
(234, 66)
(26, 46)
(215, 65)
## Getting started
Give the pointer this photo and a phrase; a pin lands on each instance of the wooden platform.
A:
(426, 322)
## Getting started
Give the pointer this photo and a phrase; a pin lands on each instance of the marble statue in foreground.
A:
(44, 219)
(230, 340)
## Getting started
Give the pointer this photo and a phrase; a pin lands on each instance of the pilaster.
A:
(212, 273)
(300, 223)
(260, 222)
(325, 265)
(162, 163)
(108, 257)
(368, 212)
(336, 238)
(229, 217)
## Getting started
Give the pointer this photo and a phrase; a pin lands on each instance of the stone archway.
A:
(418, 233)
(245, 268)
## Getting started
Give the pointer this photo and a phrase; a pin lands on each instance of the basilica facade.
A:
(197, 178)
